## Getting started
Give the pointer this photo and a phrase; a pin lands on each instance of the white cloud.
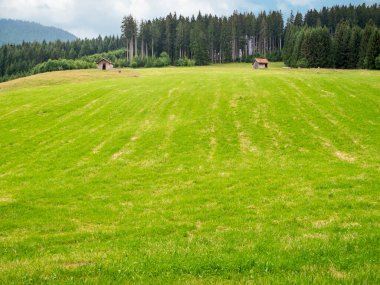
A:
(286, 6)
(283, 6)
(300, 2)
(50, 11)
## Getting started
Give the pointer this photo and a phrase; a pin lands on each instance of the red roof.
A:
(261, 60)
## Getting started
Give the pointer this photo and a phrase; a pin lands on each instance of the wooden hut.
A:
(104, 64)
(260, 63)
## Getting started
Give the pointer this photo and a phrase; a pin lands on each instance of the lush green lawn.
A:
(215, 174)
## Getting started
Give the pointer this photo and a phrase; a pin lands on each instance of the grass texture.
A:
(203, 175)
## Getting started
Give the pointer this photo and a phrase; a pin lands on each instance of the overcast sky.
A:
(89, 18)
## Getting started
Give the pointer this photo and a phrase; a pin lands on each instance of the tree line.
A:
(350, 43)
(330, 17)
(205, 38)
(340, 36)
(241, 36)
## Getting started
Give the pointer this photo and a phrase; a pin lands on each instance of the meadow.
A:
(203, 175)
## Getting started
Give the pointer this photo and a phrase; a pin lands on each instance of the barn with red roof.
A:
(260, 63)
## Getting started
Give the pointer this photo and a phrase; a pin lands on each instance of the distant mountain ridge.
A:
(17, 31)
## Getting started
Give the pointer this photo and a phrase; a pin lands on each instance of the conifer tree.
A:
(373, 50)
(354, 47)
(298, 20)
(341, 45)
(296, 59)
(198, 43)
(368, 30)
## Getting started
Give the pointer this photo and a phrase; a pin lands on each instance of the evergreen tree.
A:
(354, 47)
(198, 43)
(373, 50)
(298, 20)
(129, 32)
(155, 36)
(290, 38)
(362, 62)
(296, 59)
(210, 38)
(312, 18)
(316, 47)
(72, 54)
(85, 49)
(181, 39)
(341, 45)
(225, 41)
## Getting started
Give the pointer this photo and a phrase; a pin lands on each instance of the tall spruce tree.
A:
(368, 30)
(316, 47)
(341, 45)
(373, 49)
(354, 47)
(225, 41)
(290, 38)
(298, 20)
(297, 59)
(198, 42)
(129, 32)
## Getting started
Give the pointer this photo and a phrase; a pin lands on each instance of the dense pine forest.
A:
(336, 37)
(205, 38)
(209, 39)
(322, 41)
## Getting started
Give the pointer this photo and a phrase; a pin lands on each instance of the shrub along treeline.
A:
(349, 47)
(62, 64)
(118, 59)
(53, 65)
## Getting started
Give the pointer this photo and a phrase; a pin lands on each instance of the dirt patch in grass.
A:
(117, 155)
(323, 223)
(341, 155)
(98, 148)
(337, 274)
(345, 156)
(192, 233)
(7, 200)
(213, 146)
(245, 143)
(171, 91)
(93, 228)
(76, 265)
(351, 225)
(316, 236)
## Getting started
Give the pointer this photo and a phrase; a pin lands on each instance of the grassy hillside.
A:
(191, 175)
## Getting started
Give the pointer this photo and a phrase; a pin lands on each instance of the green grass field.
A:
(217, 174)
